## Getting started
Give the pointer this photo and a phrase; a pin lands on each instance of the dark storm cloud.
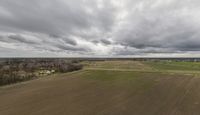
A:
(134, 27)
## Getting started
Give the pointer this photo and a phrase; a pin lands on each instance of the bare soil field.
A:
(104, 92)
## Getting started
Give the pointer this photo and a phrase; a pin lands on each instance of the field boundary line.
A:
(149, 71)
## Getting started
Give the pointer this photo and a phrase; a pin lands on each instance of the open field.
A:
(109, 88)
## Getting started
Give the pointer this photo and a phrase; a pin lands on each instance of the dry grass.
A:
(128, 65)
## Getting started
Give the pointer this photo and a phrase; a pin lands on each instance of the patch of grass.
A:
(122, 78)
(181, 66)
(134, 65)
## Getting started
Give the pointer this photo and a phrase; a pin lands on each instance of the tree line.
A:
(17, 70)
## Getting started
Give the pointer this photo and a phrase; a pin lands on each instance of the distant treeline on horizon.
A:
(191, 59)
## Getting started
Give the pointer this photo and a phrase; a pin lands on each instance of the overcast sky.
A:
(99, 28)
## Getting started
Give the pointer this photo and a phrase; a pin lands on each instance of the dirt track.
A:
(74, 95)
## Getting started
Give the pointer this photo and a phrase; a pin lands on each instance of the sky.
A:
(99, 28)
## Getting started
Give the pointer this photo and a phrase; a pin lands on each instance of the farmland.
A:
(109, 88)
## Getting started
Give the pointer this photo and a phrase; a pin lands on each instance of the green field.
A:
(109, 88)
(146, 66)
(182, 66)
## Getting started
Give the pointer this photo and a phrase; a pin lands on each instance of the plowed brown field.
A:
(104, 92)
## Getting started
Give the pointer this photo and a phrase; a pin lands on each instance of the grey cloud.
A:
(106, 42)
(69, 48)
(17, 38)
(102, 41)
(166, 26)
(95, 41)
(56, 17)
(70, 41)
(3, 39)
(21, 39)
(66, 40)
(138, 27)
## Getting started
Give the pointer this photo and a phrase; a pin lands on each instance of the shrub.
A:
(14, 78)
(69, 67)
